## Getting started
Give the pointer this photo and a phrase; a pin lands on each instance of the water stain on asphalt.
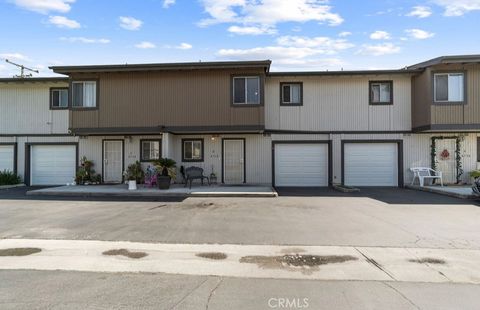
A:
(19, 251)
(306, 264)
(126, 253)
(428, 260)
(212, 255)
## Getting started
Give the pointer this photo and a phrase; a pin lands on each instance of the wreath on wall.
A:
(445, 154)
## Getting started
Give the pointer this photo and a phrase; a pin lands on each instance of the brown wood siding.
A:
(472, 109)
(176, 98)
(422, 99)
(426, 113)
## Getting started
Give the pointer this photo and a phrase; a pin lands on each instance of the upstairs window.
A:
(448, 87)
(381, 92)
(291, 93)
(192, 150)
(150, 150)
(84, 94)
(59, 98)
(246, 90)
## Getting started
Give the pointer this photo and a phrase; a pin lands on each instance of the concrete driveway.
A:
(404, 221)
(373, 217)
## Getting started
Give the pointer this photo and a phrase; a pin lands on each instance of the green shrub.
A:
(9, 178)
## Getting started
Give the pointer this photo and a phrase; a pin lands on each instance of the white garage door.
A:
(301, 165)
(52, 164)
(7, 154)
(370, 164)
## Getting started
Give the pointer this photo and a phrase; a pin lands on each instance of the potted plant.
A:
(134, 175)
(86, 174)
(167, 171)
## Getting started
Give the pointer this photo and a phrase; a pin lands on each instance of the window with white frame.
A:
(192, 150)
(246, 90)
(59, 98)
(291, 93)
(150, 150)
(381, 92)
(84, 94)
(448, 87)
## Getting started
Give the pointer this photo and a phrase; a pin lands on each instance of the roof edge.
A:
(343, 72)
(34, 80)
(164, 66)
(474, 58)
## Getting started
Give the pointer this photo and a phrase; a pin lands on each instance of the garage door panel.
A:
(371, 164)
(301, 165)
(7, 157)
(52, 164)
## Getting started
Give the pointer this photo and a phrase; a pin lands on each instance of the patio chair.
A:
(194, 173)
(422, 173)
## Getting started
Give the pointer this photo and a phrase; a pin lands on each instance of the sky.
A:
(297, 35)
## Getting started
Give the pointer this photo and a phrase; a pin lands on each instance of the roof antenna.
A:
(22, 70)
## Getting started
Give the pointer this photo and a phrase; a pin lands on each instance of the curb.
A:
(11, 186)
(273, 194)
(445, 193)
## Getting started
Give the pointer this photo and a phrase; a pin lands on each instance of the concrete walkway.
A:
(142, 191)
(252, 261)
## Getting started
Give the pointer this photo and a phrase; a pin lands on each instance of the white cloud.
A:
(322, 45)
(85, 40)
(45, 6)
(344, 34)
(380, 35)
(63, 22)
(184, 46)
(379, 49)
(251, 30)
(420, 11)
(168, 3)
(145, 45)
(458, 7)
(294, 51)
(14, 56)
(266, 14)
(419, 34)
(130, 23)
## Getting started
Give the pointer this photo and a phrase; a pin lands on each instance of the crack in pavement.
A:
(402, 295)
(189, 293)
(375, 263)
(212, 292)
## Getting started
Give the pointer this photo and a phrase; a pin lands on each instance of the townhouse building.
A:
(245, 123)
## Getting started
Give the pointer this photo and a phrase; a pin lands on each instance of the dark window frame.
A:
(288, 104)
(370, 95)
(186, 160)
(478, 149)
(261, 89)
(97, 95)
(142, 160)
(52, 89)
(447, 103)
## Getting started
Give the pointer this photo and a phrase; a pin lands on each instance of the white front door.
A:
(370, 164)
(112, 161)
(7, 157)
(52, 164)
(445, 159)
(233, 161)
(301, 165)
